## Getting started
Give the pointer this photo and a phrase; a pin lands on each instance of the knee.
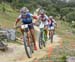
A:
(28, 34)
(45, 27)
(32, 31)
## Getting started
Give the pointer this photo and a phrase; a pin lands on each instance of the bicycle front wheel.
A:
(40, 41)
(27, 48)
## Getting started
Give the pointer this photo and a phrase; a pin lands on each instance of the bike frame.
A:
(43, 34)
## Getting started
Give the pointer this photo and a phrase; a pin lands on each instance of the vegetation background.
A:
(62, 10)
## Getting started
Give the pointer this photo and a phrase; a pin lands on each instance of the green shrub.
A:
(70, 16)
(3, 9)
(64, 11)
(63, 58)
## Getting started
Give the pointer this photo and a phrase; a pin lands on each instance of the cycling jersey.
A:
(26, 19)
(51, 22)
(43, 19)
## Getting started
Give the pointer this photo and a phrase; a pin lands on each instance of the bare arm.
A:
(17, 21)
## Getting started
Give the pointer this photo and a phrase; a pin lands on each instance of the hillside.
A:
(64, 15)
(8, 17)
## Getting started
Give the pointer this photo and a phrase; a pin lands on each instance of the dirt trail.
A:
(16, 52)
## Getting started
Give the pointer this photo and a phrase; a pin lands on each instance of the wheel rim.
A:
(29, 51)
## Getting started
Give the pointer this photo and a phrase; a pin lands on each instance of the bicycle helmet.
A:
(42, 11)
(24, 10)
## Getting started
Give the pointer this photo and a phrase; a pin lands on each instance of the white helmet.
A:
(24, 10)
(42, 11)
(51, 17)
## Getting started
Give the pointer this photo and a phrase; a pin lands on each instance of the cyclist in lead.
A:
(26, 18)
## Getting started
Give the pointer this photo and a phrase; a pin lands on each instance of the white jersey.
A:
(43, 20)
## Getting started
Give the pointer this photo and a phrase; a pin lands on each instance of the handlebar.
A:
(19, 26)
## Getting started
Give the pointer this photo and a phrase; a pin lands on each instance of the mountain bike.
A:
(28, 48)
(42, 38)
(51, 34)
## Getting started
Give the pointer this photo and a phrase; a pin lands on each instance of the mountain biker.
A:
(51, 25)
(43, 19)
(26, 18)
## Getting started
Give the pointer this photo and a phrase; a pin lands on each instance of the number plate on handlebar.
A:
(24, 26)
(41, 26)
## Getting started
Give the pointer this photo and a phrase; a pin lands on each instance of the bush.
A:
(70, 16)
(3, 9)
(63, 58)
(64, 11)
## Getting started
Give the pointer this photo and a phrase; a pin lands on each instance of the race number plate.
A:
(24, 26)
(52, 27)
(41, 25)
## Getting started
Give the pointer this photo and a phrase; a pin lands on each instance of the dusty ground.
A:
(16, 52)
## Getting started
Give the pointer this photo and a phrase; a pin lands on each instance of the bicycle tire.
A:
(52, 38)
(27, 48)
(32, 47)
(44, 42)
(40, 40)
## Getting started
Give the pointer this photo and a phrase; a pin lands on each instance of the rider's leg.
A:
(33, 35)
(46, 30)
(28, 38)
(54, 30)
(49, 34)
(28, 35)
(22, 32)
(46, 27)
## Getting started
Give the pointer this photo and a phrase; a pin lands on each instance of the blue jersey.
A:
(26, 19)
